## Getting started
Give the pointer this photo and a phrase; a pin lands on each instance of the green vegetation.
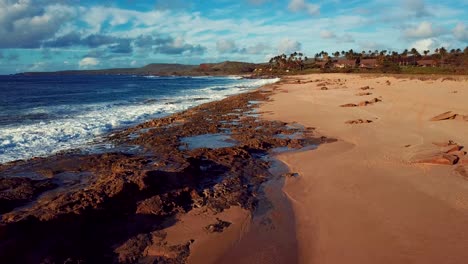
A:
(431, 70)
(441, 61)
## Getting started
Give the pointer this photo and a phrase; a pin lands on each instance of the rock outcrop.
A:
(121, 200)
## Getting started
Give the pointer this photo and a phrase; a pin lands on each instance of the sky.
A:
(50, 35)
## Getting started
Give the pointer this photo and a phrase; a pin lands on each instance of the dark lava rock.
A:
(117, 215)
(15, 192)
(218, 227)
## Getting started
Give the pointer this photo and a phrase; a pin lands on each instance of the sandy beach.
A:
(375, 195)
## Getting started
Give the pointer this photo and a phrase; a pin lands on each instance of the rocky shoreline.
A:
(113, 206)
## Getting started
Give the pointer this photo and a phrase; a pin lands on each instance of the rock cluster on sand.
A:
(218, 227)
(291, 174)
(363, 103)
(366, 88)
(363, 94)
(448, 153)
(358, 121)
(448, 116)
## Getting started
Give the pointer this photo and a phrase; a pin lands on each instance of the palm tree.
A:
(336, 54)
(425, 53)
(394, 56)
(415, 53)
(350, 54)
(443, 53)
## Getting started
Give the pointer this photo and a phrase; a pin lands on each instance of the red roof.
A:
(426, 62)
(346, 62)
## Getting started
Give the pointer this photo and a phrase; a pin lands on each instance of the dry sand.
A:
(362, 199)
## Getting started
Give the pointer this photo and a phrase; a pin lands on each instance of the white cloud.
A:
(414, 5)
(302, 5)
(191, 36)
(289, 46)
(38, 66)
(257, 2)
(424, 44)
(460, 32)
(417, 7)
(258, 48)
(226, 46)
(24, 24)
(326, 34)
(172, 4)
(370, 45)
(347, 38)
(88, 62)
(424, 30)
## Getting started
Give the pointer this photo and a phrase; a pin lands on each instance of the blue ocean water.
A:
(41, 115)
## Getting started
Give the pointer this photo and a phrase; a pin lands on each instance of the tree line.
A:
(441, 56)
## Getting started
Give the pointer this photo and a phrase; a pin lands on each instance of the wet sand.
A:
(379, 194)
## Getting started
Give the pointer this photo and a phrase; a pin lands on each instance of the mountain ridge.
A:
(165, 69)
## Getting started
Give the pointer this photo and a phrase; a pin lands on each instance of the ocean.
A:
(42, 115)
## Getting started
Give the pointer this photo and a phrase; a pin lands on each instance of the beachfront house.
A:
(426, 63)
(345, 64)
(321, 64)
(407, 61)
(369, 63)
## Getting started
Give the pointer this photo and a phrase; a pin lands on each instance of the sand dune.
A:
(363, 199)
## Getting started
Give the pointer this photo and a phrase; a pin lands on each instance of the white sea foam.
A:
(79, 129)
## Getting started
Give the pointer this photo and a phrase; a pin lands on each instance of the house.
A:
(369, 63)
(407, 61)
(321, 64)
(345, 64)
(427, 63)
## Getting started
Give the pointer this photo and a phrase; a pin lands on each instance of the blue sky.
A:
(47, 35)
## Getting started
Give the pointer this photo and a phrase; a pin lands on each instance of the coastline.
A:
(136, 205)
(81, 121)
(381, 193)
(362, 198)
